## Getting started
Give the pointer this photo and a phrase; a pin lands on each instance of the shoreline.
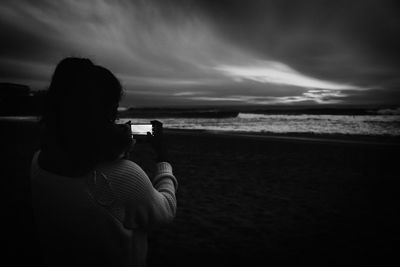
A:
(386, 140)
(296, 137)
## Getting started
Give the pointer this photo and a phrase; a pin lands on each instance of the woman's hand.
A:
(157, 141)
(126, 129)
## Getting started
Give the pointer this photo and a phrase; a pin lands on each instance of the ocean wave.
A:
(318, 124)
(388, 111)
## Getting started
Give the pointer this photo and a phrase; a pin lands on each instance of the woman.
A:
(92, 206)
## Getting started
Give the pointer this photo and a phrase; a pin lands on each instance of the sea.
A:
(368, 125)
(372, 125)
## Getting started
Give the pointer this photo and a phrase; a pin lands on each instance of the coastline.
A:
(387, 140)
(297, 137)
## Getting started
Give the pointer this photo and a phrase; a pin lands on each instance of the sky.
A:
(213, 52)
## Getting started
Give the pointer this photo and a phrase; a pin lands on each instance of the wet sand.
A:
(245, 200)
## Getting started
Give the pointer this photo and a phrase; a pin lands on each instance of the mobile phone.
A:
(142, 129)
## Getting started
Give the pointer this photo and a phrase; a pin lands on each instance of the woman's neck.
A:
(56, 160)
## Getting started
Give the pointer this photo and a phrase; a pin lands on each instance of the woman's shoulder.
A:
(125, 176)
(121, 167)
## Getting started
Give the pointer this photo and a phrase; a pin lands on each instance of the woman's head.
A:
(80, 111)
(79, 89)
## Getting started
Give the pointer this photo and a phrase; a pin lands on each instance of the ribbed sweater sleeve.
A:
(145, 201)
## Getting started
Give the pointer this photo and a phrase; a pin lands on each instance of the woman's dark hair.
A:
(80, 112)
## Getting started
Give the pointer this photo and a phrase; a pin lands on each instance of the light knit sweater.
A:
(102, 218)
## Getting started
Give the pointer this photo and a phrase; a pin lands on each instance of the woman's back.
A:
(100, 217)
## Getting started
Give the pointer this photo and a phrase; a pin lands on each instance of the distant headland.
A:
(176, 113)
(20, 100)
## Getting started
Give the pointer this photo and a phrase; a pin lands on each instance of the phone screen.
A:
(141, 129)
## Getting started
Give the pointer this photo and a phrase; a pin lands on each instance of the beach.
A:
(249, 200)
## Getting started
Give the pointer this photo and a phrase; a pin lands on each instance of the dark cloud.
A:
(338, 40)
(182, 52)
